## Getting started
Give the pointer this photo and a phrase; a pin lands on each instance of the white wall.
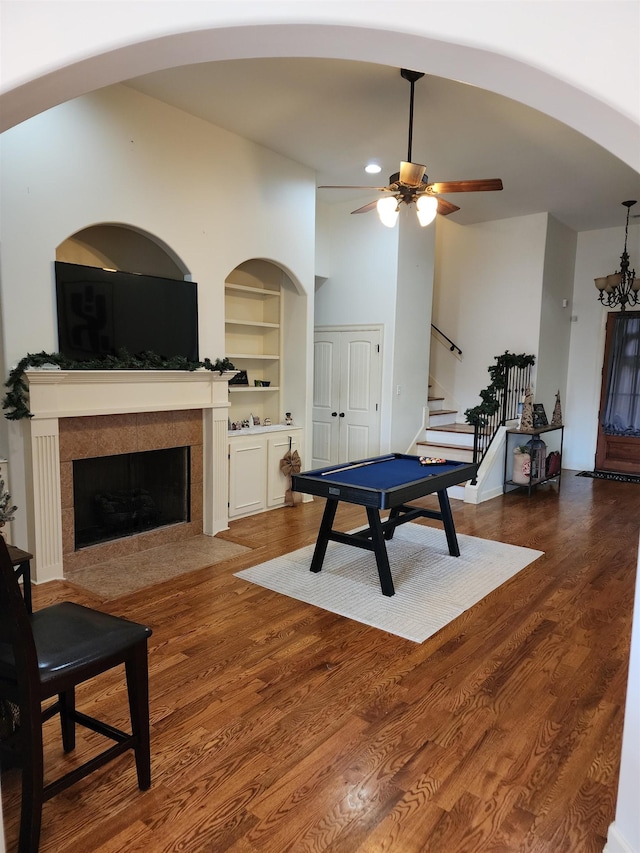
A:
(118, 156)
(360, 257)
(555, 318)
(624, 832)
(414, 298)
(487, 298)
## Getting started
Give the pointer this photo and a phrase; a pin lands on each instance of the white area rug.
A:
(432, 588)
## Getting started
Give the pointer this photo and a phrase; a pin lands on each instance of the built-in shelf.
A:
(247, 356)
(253, 318)
(254, 389)
(257, 323)
(252, 292)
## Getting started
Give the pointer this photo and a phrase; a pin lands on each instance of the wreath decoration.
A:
(16, 399)
(479, 415)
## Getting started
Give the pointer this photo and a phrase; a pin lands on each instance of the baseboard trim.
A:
(616, 842)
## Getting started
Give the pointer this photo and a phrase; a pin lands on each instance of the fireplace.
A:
(130, 493)
(81, 414)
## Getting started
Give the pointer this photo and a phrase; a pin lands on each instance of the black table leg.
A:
(323, 535)
(447, 520)
(380, 550)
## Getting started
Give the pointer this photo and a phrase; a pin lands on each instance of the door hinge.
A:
(377, 347)
(376, 407)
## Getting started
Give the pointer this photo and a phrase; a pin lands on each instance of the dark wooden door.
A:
(617, 453)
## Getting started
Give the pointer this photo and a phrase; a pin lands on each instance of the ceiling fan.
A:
(410, 185)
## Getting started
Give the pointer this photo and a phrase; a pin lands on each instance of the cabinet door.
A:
(247, 476)
(277, 483)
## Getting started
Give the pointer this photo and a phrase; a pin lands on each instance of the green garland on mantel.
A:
(16, 398)
(498, 372)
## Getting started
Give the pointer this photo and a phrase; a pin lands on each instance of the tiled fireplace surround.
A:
(109, 435)
(80, 414)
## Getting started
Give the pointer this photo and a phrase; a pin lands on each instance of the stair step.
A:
(454, 452)
(455, 427)
(444, 412)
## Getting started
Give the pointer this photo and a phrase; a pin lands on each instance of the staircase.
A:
(446, 438)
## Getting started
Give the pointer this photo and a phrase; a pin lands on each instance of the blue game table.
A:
(381, 483)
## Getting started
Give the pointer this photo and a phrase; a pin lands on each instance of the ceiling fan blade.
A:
(411, 173)
(466, 186)
(445, 207)
(343, 187)
(366, 208)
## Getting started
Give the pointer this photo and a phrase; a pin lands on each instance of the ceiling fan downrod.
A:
(411, 76)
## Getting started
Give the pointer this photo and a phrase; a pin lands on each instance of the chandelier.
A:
(620, 288)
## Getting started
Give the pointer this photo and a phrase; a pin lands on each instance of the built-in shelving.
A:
(253, 318)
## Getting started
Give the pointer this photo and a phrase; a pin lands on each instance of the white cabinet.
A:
(277, 446)
(255, 480)
(247, 475)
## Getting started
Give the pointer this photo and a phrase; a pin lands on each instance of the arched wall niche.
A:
(290, 377)
(121, 247)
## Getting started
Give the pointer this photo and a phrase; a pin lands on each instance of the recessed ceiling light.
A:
(372, 168)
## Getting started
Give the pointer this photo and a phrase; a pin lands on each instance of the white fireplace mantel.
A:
(55, 394)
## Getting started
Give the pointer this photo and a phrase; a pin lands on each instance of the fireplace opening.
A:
(118, 496)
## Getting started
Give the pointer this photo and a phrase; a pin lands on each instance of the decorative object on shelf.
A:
(288, 419)
(16, 397)
(553, 464)
(521, 464)
(240, 378)
(256, 420)
(556, 417)
(539, 416)
(266, 422)
(538, 452)
(526, 421)
(291, 464)
(620, 288)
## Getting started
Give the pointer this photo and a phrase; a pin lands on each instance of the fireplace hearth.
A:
(130, 493)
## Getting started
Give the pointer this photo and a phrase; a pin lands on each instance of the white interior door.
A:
(346, 395)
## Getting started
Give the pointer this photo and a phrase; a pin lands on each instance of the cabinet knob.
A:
(334, 414)
(341, 414)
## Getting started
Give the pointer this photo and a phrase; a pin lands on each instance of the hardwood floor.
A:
(280, 727)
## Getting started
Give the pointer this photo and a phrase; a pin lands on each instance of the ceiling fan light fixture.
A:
(426, 208)
(387, 211)
(412, 173)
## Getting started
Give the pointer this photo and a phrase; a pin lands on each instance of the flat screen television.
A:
(101, 312)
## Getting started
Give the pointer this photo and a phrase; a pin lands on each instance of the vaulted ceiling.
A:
(334, 116)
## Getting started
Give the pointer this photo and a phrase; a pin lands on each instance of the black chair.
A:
(47, 654)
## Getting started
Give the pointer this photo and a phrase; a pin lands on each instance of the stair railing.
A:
(453, 347)
(500, 401)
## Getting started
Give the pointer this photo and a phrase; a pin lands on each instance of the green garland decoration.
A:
(498, 372)
(16, 398)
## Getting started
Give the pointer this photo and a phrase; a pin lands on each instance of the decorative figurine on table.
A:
(288, 419)
(266, 422)
(556, 418)
(526, 421)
